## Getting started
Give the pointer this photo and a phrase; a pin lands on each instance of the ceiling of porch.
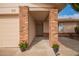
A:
(39, 15)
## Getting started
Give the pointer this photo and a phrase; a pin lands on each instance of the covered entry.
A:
(40, 19)
(22, 29)
(35, 23)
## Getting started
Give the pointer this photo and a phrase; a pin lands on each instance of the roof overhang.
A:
(35, 6)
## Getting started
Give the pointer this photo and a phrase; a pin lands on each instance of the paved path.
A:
(68, 47)
(40, 47)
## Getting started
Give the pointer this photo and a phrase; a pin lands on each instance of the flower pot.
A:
(56, 50)
(22, 49)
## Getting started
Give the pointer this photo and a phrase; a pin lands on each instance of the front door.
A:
(39, 29)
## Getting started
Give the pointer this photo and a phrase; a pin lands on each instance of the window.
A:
(61, 27)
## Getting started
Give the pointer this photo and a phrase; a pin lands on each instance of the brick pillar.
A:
(53, 26)
(23, 23)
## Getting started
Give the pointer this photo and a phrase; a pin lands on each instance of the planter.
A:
(22, 49)
(56, 50)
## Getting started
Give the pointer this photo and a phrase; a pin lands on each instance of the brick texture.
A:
(53, 26)
(23, 23)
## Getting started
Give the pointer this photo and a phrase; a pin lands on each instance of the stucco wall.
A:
(31, 29)
(68, 27)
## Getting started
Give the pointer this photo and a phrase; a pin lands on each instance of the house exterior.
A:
(26, 21)
(68, 27)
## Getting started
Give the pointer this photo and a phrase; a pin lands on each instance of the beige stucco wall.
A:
(31, 29)
(46, 27)
(69, 27)
(9, 31)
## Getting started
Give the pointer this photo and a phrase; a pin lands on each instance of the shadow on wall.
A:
(70, 43)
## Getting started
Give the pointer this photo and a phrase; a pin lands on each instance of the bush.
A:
(23, 45)
(55, 46)
(77, 29)
(75, 6)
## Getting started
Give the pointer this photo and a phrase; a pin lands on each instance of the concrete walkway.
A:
(40, 47)
(68, 47)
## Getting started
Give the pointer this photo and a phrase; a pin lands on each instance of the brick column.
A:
(23, 23)
(53, 26)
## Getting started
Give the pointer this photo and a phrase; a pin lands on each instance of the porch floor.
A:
(40, 47)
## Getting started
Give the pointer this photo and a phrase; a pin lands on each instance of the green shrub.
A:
(75, 6)
(77, 29)
(55, 46)
(23, 45)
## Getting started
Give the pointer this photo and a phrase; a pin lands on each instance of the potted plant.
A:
(77, 29)
(55, 48)
(23, 45)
